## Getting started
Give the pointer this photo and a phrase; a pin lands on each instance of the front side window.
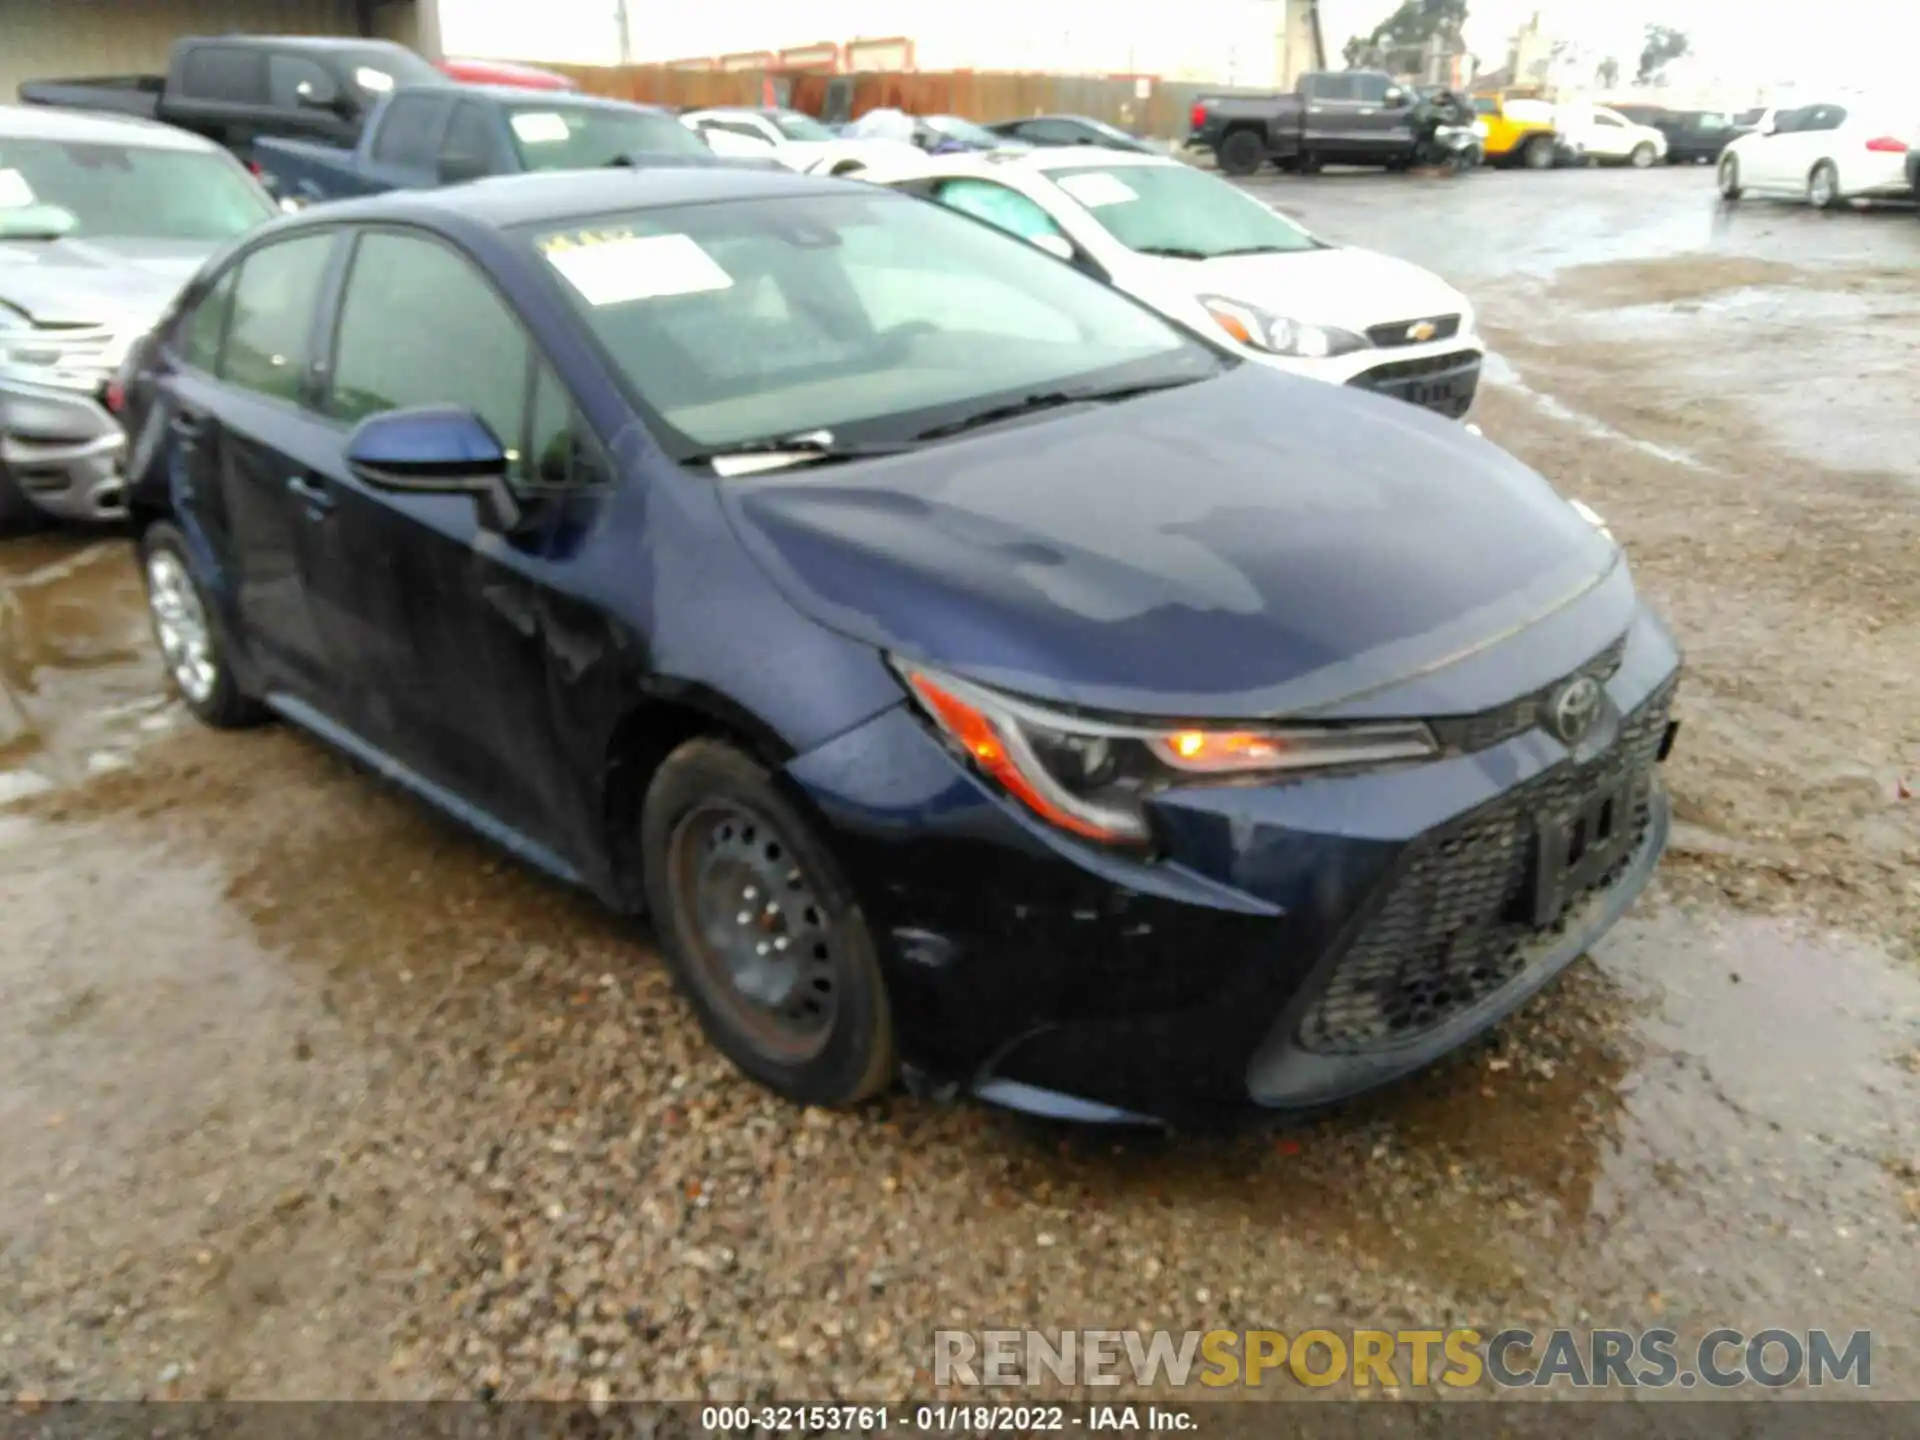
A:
(1330, 87)
(470, 143)
(586, 137)
(1176, 210)
(1371, 89)
(295, 81)
(872, 313)
(419, 325)
(997, 205)
(964, 131)
(268, 348)
(56, 188)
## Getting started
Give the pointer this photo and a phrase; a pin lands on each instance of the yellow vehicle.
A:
(1520, 131)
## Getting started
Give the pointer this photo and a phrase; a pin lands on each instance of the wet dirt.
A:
(305, 1093)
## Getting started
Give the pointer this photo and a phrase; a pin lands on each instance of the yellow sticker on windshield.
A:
(615, 269)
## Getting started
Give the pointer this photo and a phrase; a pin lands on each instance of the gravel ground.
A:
(305, 1094)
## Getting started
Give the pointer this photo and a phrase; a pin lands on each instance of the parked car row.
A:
(1827, 153)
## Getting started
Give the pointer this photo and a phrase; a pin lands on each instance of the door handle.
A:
(1367, 110)
(310, 493)
(187, 427)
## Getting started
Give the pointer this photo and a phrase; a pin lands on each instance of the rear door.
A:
(247, 437)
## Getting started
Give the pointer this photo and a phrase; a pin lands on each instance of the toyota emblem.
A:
(1572, 709)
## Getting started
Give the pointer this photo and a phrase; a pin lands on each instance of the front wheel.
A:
(762, 931)
(1642, 156)
(1538, 154)
(1730, 177)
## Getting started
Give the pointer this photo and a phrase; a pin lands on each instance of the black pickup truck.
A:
(417, 139)
(1333, 117)
(234, 89)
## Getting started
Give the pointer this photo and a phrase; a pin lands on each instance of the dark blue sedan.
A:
(976, 677)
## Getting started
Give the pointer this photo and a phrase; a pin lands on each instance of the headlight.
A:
(1093, 777)
(1251, 325)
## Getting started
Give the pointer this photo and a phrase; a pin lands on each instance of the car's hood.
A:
(1251, 545)
(97, 282)
(1335, 286)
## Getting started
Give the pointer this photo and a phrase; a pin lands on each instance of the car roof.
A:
(562, 195)
(544, 99)
(93, 127)
(347, 43)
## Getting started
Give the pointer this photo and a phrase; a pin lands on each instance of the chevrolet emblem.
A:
(1420, 330)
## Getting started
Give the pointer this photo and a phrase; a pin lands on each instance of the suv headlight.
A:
(1276, 334)
(1093, 777)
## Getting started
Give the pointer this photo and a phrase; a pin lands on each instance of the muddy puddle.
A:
(303, 1092)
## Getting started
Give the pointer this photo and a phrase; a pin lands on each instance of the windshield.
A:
(52, 188)
(965, 131)
(378, 71)
(796, 126)
(585, 137)
(1177, 210)
(875, 314)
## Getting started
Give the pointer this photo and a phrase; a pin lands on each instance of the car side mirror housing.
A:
(1397, 97)
(1057, 246)
(1766, 126)
(437, 450)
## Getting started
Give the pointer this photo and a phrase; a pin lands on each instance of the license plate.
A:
(1575, 850)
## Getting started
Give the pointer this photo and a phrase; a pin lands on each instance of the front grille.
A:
(1445, 384)
(1400, 332)
(1467, 733)
(1453, 928)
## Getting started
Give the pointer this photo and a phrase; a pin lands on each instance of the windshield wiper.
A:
(1260, 250)
(1173, 252)
(1050, 400)
(812, 447)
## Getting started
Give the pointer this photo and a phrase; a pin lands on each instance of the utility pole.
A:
(626, 35)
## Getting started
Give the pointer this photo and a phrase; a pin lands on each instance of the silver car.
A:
(102, 220)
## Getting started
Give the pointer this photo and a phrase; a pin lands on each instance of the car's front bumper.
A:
(62, 450)
(1293, 945)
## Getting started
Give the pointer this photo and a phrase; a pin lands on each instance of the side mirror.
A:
(1768, 125)
(310, 99)
(1057, 246)
(437, 450)
(1397, 97)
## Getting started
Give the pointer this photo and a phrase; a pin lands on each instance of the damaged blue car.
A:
(977, 679)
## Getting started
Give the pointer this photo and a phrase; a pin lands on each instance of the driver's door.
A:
(1767, 159)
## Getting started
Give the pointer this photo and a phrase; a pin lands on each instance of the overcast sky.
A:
(1822, 44)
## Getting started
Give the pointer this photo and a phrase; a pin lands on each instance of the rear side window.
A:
(268, 339)
(408, 128)
(294, 79)
(997, 205)
(420, 325)
(204, 329)
(226, 73)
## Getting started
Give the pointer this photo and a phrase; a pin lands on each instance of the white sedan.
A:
(797, 141)
(1209, 255)
(1827, 154)
(1610, 137)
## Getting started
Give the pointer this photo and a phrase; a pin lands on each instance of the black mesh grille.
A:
(1455, 926)
(1401, 332)
(1442, 383)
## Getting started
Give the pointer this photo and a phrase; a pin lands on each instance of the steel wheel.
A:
(1642, 156)
(180, 625)
(761, 941)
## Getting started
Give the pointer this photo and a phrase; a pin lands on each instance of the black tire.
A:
(1242, 152)
(1729, 177)
(1311, 164)
(685, 815)
(18, 515)
(1823, 173)
(225, 706)
(1642, 156)
(1537, 153)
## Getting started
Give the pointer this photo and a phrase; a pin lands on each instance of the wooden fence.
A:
(1140, 104)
